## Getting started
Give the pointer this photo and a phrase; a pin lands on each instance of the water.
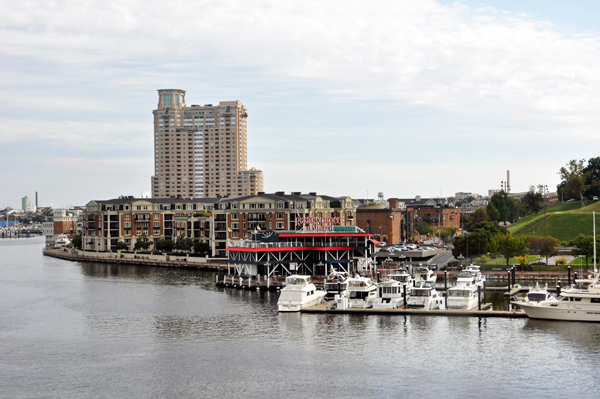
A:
(72, 330)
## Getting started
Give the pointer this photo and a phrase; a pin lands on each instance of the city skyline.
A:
(345, 99)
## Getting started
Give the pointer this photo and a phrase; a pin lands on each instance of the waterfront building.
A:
(201, 151)
(217, 222)
(62, 221)
(125, 219)
(304, 252)
(384, 219)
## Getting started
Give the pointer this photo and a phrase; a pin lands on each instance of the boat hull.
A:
(296, 306)
(557, 313)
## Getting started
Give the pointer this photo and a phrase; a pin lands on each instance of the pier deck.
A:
(326, 308)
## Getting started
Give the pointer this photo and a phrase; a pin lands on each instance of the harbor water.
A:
(73, 330)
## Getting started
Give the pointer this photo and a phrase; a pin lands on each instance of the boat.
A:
(538, 294)
(390, 295)
(423, 296)
(425, 274)
(362, 292)
(578, 302)
(299, 293)
(61, 241)
(336, 284)
(465, 294)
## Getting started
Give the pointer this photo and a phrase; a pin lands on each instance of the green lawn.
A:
(563, 221)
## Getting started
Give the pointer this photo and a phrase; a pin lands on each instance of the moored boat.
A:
(299, 293)
(362, 292)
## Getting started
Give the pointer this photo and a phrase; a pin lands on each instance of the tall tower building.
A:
(201, 151)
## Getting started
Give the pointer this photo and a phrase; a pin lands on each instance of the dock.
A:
(325, 308)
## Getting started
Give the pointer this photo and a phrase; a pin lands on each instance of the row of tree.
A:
(579, 180)
(488, 237)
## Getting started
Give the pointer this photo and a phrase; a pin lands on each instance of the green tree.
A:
(122, 246)
(584, 246)
(163, 245)
(142, 243)
(201, 248)
(508, 245)
(592, 177)
(492, 212)
(506, 206)
(77, 241)
(449, 232)
(184, 243)
(533, 200)
(547, 246)
(574, 179)
(423, 228)
(480, 215)
(469, 245)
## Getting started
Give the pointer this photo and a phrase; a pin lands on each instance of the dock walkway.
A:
(326, 308)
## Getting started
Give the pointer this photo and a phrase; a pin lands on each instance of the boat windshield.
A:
(459, 293)
(334, 286)
(536, 296)
(420, 292)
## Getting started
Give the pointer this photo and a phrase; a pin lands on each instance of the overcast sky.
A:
(344, 97)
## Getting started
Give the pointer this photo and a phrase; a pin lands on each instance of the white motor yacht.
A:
(61, 241)
(362, 292)
(336, 284)
(299, 293)
(424, 296)
(425, 274)
(390, 295)
(465, 294)
(579, 302)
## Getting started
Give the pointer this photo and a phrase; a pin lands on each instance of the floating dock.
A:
(326, 308)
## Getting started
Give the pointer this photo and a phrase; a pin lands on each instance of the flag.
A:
(257, 227)
(229, 230)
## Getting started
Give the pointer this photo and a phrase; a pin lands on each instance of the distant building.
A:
(24, 203)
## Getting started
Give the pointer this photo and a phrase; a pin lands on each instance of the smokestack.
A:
(508, 181)
(36, 200)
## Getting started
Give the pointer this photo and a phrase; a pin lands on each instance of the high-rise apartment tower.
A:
(201, 151)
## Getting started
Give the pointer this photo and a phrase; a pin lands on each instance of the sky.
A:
(344, 97)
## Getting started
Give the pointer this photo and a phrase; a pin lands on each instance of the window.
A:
(156, 216)
(280, 216)
(127, 217)
(127, 225)
(156, 224)
(235, 216)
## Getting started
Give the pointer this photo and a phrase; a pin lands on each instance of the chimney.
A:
(418, 198)
(280, 193)
(261, 193)
(393, 203)
(313, 194)
(298, 193)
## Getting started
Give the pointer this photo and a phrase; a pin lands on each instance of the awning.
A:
(375, 242)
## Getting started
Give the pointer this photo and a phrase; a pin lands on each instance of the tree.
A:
(492, 212)
(533, 200)
(449, 232)
(508, 245)
(77, 241)
(506, 206)
(592, 180)
(142, 243)
(547, 246)
(574, 178)
(469, 245)
(184, 243)
(584, 245)
(163, 245)
(122, 246)
(201, 248)
(423, 228)
(480, 215)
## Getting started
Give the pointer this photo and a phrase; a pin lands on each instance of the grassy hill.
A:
(564, 221)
